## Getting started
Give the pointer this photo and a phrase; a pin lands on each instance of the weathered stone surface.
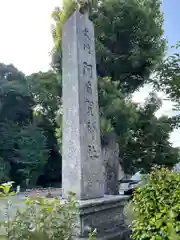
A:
(82, 166)
(105, 215)
(110, 155)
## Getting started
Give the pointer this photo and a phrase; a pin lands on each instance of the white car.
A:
(127, 185)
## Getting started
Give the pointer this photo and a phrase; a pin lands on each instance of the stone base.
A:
(105, 215)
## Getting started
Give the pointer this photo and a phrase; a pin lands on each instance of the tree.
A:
(143, 138)
(15, 110)
(148, 143)
(117, 113)
(60, 16)
(16, 102)
(155, 207)
(167, 78)
(23, 152)
(46, 89)
(4, 170)
(129, 43)
(129, 46)
(32, 153)
(22, 143)
(53, 167)
(9, 131)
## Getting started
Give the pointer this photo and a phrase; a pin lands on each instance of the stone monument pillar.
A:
(82, 169)
(82, 164)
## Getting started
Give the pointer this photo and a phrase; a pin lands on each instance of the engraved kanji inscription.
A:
(88, 86)
(87, 47)
(90, 106)
(86, 33)
(91, 126)
(87, 69)
(92, 152)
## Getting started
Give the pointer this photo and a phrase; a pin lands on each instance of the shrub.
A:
(6, 189)
(129, 213)
(40, 218)
(43, 219)
(156, 207)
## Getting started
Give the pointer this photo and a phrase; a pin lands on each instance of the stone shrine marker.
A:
(82, 166)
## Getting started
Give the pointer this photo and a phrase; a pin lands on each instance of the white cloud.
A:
(166, 109)
(142, 94)
(26, 33)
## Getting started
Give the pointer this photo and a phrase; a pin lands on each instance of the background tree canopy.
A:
(168, 76)
(129, 43)
(129, 48)
(28, 142)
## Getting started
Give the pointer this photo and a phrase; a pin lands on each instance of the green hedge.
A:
(41, 218)
(156, 207)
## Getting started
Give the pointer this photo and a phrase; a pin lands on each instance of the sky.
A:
(25, 40)
(170, 9)
(172, 21)
(25, 27)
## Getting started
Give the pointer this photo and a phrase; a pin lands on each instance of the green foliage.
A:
(148, 143)
(32, 152)
(167, 79)
(46, 88)
(6, 189)
(114, 107)
(9, 131)
(129, 213)
(40, 218)
(92, 235)
(4, 170)
(47, 91)
(143, 138)
(52, 169)
(60, 16)
(129, 43)
(157, 207)
(15, 100)
(23, 151)
(168, 75)
(129, 46)
(59, 137)
(43, 218)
